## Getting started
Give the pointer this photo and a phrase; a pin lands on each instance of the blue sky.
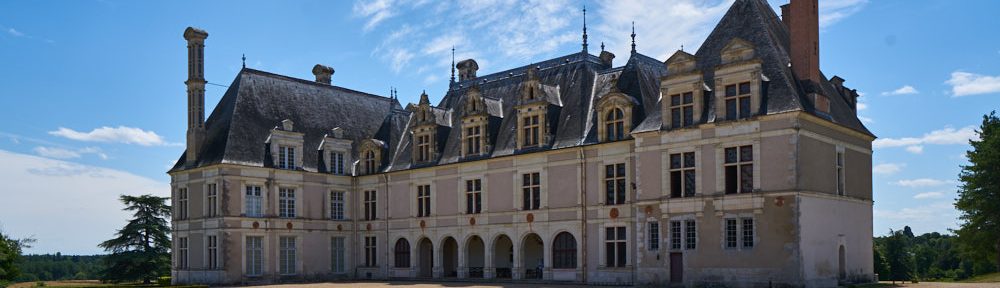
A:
(94, 101)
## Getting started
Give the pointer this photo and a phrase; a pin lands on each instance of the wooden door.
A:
(676, 267)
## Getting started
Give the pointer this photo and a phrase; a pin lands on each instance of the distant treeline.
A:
(58, 267)
(931, 256)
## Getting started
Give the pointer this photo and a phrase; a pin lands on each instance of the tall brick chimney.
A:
(195, 91)
(802, 19)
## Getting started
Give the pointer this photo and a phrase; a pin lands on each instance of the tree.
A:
(10, 255)
(979, 195)
(141, 249)
(897, 253)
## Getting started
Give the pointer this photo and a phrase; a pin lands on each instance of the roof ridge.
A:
(546, 64)
(313, 83)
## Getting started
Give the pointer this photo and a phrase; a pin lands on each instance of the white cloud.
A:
(832, 11)
(120, 134)
(376, 11)
(63, 153)
(929, 195)
(936, 216)
(921, 182)
(660, 28)
(964, 84)
(905, 90)
(946, 136)
(42, 190)
(862, 106)
(915, 149)
(14, 32)
(887, 168)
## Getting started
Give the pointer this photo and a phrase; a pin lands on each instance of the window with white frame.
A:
(337, 205)
(337, 252)
(370, 203)
(614, 184)
(254, 256)
(286, 255)
(683, 234)
(531, 127)
(653, 232)
(254, 201)
(675, 235)
(182, 203)
(286, 157)
(212, 199)
(739, 232)
(682, 175)
(739, 169)
(212, 247)
(690, 235)
(286, 202)
(531, 189)
(371, 165)
(337, 163)
(615, 247)
(473, 140)
(840, 174)
(423, 148)
(473, 196)
(614, 125)
(737, 100)
(371, 256)
(681, 110)
(182, 252)
(423, 200)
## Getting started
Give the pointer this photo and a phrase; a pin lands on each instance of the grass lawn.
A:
(988, 278)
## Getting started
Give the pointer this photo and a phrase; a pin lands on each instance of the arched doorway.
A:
(843, 266)
(564, 251)
(449, 257)
(425, 263)
(402, 252)
(534, 256)
(503, 256)
(475, 256)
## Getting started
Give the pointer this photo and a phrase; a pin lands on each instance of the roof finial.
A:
(452, 63)
(584, 28)
(602, 46)
(244, 60)
(682, 47)
(633, 37)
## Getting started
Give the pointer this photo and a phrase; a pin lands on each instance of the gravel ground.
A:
(948, 285)
(410, 284)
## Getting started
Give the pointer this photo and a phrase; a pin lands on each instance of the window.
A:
(682, 175)
(739, 169)
(737, 100)
(531, 129)
(212, 199)
(532, 190)
(473, 196)
(337, 253)
(370, 252)
(424, 148)
(675, 235)
(654, 236)
(614, 184)
(473, 140)
(614, 125)
(182, 203)
(402, 253)
(286, 157)
(614, 247)
(371, 166)
(182, 252)
(254, 201)
(840, 173)
(564, 251)
(682, 110)
(423, 200)
(370, 205)
(213, 251)
(286, 203)
(690, 235)
(336, 205)
(739, 233)
(286, 255)
(255, 256)
(337, 163)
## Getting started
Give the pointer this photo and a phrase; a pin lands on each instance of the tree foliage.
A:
(10, 256)
(931, 256)
(979, 195)
(897, 252)
(51, 267)
(141, 249)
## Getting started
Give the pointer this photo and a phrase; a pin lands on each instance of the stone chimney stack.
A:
(323, 74)
(802, 19)
(467, 69)
(195, 91)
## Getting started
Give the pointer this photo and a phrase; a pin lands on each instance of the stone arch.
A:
(475, 254)
(532, 249)
(502, 248)
(449, 257)
(565, 248)
(402, 252)
(425, 258)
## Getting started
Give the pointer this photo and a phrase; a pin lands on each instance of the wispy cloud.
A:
(929, 195)
(946, 136)
(905, 90)
(14, 32)
(689, 23)
(833, 11)
(921, 182)
(931, 217)
(888, 168)
(120, 134)
(376, 11)
(965, 84)
(63, 153)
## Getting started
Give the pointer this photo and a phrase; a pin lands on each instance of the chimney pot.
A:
(467, 69)
(287, 125)
(607, 58)
(323, 73)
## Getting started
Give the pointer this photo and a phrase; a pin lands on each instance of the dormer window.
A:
(333, 152)
(370, 163)
(337, 162)
(682, 110)
(738, 82)
(286, 157)
(285, 146)
(530, 130)
(423, 148)
(737, 101)
(371, 156)
(474, 123)
(532, 122)
(683, 90)
(473, 140)
(614, 123)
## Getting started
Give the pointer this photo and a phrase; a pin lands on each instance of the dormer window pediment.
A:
(614, 112)
(738, 82)
(334, 152)
(737, 50)
(285, 146)
(370, 155)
